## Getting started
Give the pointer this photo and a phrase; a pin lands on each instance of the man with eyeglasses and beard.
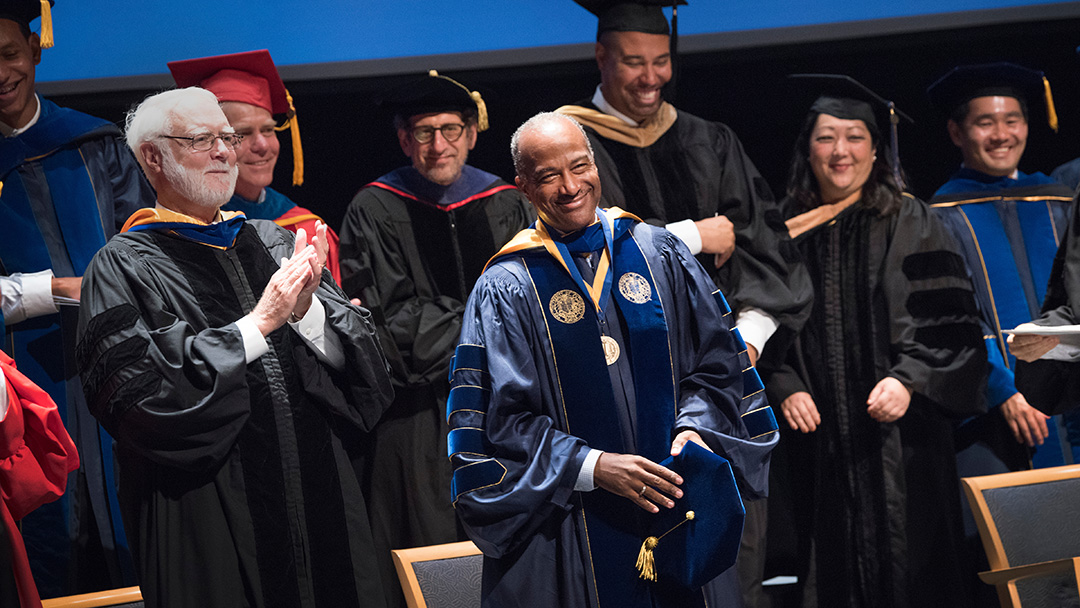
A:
(413, 244)
(231, 370)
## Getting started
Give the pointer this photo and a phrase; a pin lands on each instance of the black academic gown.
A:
(1054, 386)
(234, 482)
(696, 170)
(880, 500)
(411, 251)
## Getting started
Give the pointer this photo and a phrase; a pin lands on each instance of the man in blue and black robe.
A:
(68, 185)
(1008, 225)
(593, 346)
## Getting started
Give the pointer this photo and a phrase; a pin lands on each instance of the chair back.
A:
(1027, 517)
(440, 576)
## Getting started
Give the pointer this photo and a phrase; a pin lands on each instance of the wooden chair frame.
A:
(1001, 574)
(109, 597)
(403, 562)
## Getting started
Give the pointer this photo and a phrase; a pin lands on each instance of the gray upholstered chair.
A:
(128, 597)
(440, 576)
(1029, 522)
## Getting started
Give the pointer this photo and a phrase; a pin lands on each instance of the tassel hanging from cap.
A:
(46, 25)
(646, 561)
(894, 144)
(481, 111)
(297, 149)
(481, 107)
(1051, 112)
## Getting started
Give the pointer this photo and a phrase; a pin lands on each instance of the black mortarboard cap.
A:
(844, 97)
(642, 16)
(25, 11)
(435, 93)
(621, 16)
(966, 82)
(691, 550)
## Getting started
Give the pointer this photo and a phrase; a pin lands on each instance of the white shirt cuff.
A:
(255, 344)
(687, 233)
(584, 481)
(3, 397)
(27, 295)
(312, 328)
(756, 327)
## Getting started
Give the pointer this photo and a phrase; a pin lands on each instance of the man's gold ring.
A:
(641, 492)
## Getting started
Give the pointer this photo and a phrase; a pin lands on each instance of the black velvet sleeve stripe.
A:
(126, 396)
(938, 303)
(948, 336)
(106, 323)
(933, 265)
(127, 353)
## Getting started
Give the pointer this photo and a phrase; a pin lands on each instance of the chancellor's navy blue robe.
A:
(514, 481)
(69, 182)
(1008, 231)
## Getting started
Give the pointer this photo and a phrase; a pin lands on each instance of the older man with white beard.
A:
(231, 370)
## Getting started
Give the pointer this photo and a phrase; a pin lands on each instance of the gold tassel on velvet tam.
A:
(482, 122)
(297, 148)
(1051, 112)
(46, 25)
(646, 561)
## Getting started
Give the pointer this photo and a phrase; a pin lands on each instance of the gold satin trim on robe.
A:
(819, 215)
(597, 286)
(153, 215)
(285, 222)
(610, 127)
(804, 222)
(529, 238)
(986, 199)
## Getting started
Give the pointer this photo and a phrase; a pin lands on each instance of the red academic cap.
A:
(249, 77)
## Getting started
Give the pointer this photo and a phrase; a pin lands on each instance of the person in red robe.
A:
(36, 455)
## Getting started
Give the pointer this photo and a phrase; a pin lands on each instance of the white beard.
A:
(207, 191)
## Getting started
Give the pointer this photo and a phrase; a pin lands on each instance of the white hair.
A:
(157, 115)
(539, 121)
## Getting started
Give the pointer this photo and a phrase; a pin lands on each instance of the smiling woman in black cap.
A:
(893, 343)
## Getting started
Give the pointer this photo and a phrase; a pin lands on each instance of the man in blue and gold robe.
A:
(68, 185)
(1008, 225)
(593, 346)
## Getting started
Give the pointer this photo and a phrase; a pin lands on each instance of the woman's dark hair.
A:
(879, 192)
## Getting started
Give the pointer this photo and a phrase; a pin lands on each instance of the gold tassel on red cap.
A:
(1051, 112)
(646, 561)
(297, 148)
(46, 25)
(481, 107)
